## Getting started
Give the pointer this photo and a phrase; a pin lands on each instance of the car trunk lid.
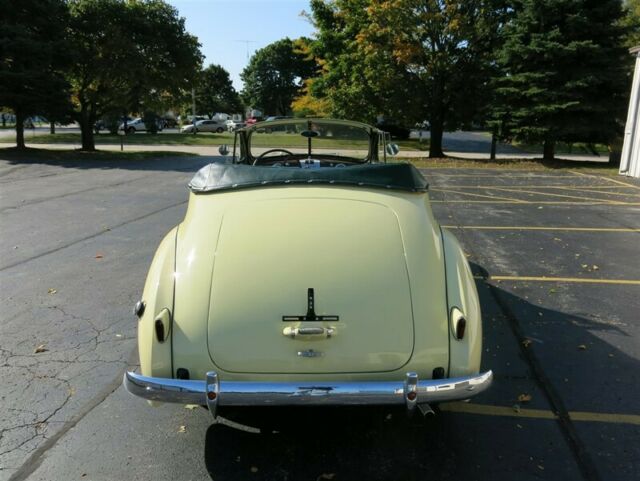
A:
(329, 264)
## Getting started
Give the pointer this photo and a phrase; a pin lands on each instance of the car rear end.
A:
(315, 295)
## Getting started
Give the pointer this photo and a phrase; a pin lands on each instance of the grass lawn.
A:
(259, 140)
(64, 155)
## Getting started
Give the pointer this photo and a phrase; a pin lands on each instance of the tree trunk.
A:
(86, 129)
(549, 149)
(435, 145)
(494, 143)
(20, 130)
(52, 127)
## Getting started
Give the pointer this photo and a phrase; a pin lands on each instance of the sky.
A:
(228, 29)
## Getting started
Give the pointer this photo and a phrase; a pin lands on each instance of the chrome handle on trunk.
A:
(323, 332)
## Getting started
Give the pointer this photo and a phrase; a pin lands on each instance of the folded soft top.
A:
(222, 177)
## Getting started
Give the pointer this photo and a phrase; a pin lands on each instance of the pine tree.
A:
(563, 72)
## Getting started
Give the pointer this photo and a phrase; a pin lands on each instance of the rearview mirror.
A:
(223, 149)
(392, 149)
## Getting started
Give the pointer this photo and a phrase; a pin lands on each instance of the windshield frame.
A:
(242, 139)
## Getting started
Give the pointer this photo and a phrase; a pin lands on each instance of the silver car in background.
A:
(217, 126)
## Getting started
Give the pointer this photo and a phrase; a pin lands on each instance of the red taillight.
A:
(211, 395)
(411, 396)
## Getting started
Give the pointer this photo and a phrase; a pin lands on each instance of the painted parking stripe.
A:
(632, 282)
(596, 189)
(615, 181)
(549, 194)
(489, 410)
(535, 202)
(516, 186)
(478, 195)
(569, 229)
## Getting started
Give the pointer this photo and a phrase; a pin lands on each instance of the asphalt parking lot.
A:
(556, 259)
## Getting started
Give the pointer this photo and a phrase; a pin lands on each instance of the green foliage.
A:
(150, 119)
(33, 53)
(215, 92)
(129, 55)
(564, 72)
(631, 22)
(408, 60)
(274, 77)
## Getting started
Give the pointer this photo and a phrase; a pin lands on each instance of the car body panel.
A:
(197, 248)
(299, 249)
(461, 293)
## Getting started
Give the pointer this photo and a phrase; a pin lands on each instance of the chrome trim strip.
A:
(250, 393)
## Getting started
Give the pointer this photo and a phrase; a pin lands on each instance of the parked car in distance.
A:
(252, 120)
(309, 276)
(137, 125)
(217, 126)
(233, 125)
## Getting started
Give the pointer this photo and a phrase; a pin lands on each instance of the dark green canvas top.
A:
(224, 177)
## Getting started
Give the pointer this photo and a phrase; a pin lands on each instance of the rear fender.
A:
(465, 353)
(155, 355)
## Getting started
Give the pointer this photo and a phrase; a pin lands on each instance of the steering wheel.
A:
(270, 151)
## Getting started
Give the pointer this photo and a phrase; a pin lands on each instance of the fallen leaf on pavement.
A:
(52, 290)
(191, 406)
(595, 267)
(582, 347)
(524, 398)
(254, 469)
(40, 348)
(182, 429)
(326, 476)
(526, 343)
(99, 256)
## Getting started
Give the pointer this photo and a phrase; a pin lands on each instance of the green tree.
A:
(215, 92)
(407, 59)
(129, 56)
(274, 77)
(564, 74)
(33, 53)
(631, 21)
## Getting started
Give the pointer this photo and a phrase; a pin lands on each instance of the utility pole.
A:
(193, 102)
(247, 42)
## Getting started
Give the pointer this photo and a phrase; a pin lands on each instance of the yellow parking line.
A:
(476, 195)
(633, 282)
(606, 417)
(488, 410)
(515, 186)
(548, 194)
(616, 181)
(576, 229)
(534, 202)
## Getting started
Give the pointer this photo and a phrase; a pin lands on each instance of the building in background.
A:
(630, 160)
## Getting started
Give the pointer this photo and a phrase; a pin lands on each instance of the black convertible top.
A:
(223, 177)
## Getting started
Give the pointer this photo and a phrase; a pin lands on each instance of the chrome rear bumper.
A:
(214, 392)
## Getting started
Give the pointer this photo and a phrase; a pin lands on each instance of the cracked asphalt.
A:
(76, 240)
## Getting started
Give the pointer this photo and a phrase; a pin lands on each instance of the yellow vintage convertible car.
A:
(311, 274)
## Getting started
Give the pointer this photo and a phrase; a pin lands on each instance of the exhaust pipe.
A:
(426, 410)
